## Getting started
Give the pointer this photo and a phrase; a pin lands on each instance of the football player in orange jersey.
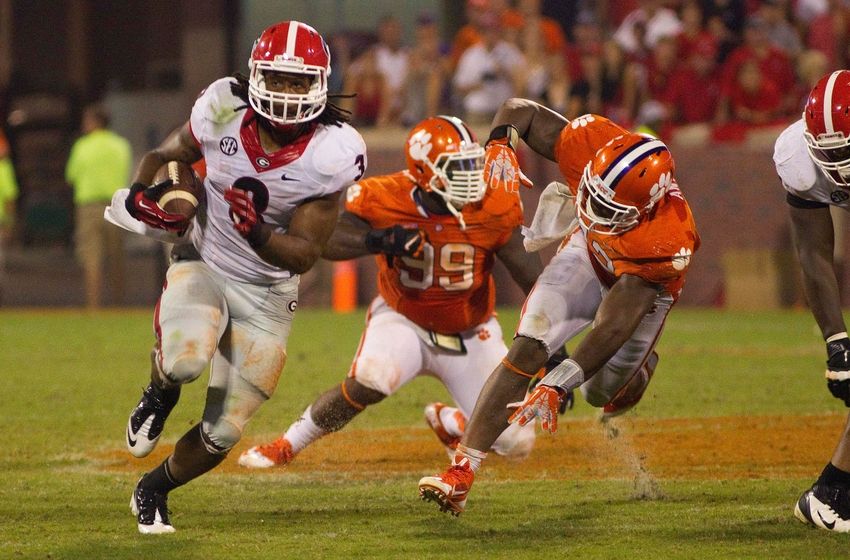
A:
(436, 229)
(620, 269)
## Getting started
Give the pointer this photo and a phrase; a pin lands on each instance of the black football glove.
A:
(246, 220)
(397, 241)
(838, 369)
(141, 204)
(568, 399)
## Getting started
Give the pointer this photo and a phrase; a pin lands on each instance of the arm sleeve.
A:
(797, 202)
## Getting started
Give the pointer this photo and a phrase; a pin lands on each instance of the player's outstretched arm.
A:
(354, 237)
(178, 146)
(621, 311)
(348, 240)
(523, 266)
(539, 126)
(814, 239)
(301, 246)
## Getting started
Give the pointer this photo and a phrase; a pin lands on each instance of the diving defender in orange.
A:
(620, 268)
(436, 230)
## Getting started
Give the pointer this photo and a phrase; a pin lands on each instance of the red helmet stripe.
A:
(827, 101)
(291, 38)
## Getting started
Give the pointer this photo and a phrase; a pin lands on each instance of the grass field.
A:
(736, 424)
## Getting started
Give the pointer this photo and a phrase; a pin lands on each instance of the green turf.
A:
(69, 381)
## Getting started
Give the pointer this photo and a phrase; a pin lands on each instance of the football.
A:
(186, 192)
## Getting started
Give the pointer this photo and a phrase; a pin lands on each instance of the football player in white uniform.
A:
(812, 158)
(278, 155)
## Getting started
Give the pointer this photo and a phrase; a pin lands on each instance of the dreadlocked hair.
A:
(333, 115)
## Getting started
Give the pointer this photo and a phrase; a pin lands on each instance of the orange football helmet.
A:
(622, 183)
(443, 156)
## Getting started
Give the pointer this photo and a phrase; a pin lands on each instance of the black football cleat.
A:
(151, 511)
(148, 419)
(826, 507)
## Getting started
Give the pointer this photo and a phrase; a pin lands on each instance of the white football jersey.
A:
(800, 176)
(317, 164)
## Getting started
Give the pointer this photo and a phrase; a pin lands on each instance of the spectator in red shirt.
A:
(774, 64)
(693, 28)
(754, 98)
(663, 61)
(694, 88)
(827, 33)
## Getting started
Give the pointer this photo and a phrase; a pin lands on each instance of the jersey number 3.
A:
(454, 270)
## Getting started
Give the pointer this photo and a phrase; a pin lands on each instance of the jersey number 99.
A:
(454, 269)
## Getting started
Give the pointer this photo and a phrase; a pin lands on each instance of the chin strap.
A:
(451, 207)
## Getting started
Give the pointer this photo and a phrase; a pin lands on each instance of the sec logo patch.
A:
(839, 196)
(228, 145)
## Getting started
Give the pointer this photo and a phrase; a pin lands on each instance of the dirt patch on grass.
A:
(631, 448)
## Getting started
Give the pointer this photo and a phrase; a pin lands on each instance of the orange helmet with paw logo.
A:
(443, 156)
(622, 183)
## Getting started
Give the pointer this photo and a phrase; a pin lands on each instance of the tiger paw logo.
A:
(660, 188)
(500, 171)
(483, 334)
(419, 145)
(682, 258)
(583, 120)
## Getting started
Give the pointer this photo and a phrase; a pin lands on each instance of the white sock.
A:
(303, 431)
(474, 457)
(453, 420)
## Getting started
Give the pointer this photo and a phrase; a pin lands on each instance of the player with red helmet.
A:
(278, 157)
(812, 158)
(436, 230)
(620, 269)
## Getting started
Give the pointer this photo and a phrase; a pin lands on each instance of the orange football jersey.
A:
(660, 247)
(450, 289)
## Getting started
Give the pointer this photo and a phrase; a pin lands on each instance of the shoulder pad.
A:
(791, 158)
(336, 148)
(217, 103)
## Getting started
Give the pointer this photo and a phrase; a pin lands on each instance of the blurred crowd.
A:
(724, 65)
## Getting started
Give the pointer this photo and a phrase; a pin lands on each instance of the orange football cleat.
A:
(449, 490)
(277, 453)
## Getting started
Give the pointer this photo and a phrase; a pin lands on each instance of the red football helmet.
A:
(289, 47)
(827, 134)
(444, 156)
(622, 183)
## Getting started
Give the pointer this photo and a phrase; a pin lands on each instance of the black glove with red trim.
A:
(142, 205)
(246, 220)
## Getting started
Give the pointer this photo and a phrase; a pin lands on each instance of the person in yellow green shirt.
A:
(99, 164)
(8, 196)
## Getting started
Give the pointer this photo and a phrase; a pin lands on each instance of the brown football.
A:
(186, 192)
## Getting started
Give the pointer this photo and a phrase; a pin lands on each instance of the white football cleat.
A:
(826, 507)
(148, 419)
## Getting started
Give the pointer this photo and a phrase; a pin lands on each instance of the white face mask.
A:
(287, 108)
